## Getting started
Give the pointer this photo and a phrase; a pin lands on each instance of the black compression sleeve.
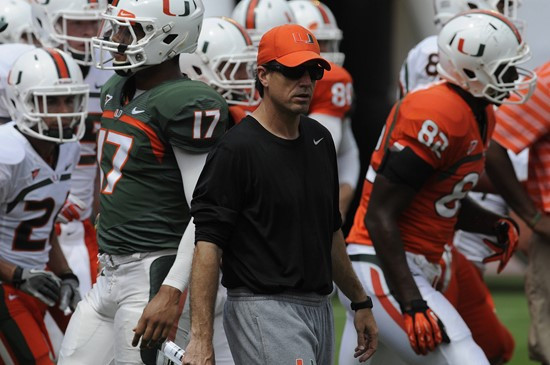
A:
(405, 167)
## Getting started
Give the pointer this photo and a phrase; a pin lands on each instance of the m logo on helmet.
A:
(301, 38)
(166, 8)
(479, 53)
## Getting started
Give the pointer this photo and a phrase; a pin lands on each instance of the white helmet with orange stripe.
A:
(139, 34)
(15, 16)
(480, 51)
(225, 59)
(259, 16)
(37, 80)
(68, 25)
(318, 18)
(446, 9)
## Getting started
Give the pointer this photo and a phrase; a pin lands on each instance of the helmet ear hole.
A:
(197, 70)
(170, 38)
(471, 74)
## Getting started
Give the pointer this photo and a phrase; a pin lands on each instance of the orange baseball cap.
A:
(290, 45)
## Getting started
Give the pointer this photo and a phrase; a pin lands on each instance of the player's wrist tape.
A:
(362, 305)
(536, 218)
(16, 280)
(69, 275)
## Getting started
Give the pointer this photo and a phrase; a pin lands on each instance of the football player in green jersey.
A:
(156, 129)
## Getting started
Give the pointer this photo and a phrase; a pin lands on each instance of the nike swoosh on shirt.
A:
(137, 111)
(316, 142)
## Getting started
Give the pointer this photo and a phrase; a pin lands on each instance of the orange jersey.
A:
(439, 126)
(238, 112)
(333, 94)
(527, 125)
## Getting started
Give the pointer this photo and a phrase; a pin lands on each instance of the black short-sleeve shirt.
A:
(271, 204)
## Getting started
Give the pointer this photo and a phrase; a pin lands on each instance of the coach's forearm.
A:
(204, 286)
(342, 272)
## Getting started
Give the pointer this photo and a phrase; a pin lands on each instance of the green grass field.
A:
(511, 307)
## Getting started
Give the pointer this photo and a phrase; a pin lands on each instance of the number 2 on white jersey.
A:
(123, 143)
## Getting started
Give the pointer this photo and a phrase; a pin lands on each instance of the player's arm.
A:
(502, 174)
(348, 166)
(472, 217)
(162, 311)
(347, 281)
(399, 178)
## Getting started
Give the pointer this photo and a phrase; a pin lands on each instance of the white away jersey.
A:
(419, 69)
(31, 195)
(84, 176)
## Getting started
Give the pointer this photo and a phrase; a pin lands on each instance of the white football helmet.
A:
(479, 51)
(40, 74)
(225, 59)
(16, 18)
(53, 22)
(446, 9)
(259, 16)
(509, 8)
(318, 18)
(156, 31)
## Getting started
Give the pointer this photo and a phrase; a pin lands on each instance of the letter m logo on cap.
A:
(303, 38)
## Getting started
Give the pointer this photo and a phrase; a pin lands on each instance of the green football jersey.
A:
(143, 205)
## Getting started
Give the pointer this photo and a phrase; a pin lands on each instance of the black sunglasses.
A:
(316, 72)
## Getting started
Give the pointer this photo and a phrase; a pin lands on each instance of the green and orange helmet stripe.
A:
(243, 31)
(250, 21)
(60, 63)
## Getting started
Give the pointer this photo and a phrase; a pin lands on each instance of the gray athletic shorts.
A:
(287, 328)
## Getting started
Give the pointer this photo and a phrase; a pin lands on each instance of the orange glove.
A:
(71, 210)
(424, 329)
(507, 234)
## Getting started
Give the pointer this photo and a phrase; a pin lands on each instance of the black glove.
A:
(507, 234)
(69, 294)
(41, 284)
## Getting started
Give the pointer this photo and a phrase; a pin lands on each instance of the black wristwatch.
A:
(362, 305)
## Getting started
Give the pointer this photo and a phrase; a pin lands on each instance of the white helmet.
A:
(36, 75)
(446, 9)
(225, 59)
(16, 18)
(52, 18)
(318, 18)
(509, 8)
(259, 16)
(479, 51)
(168, 27)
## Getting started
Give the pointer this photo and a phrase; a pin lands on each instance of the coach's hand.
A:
(424, 329)
(507, 234)
(199, 352)
(41, 284)
(69, 294)
(367, 334)
(158, 318)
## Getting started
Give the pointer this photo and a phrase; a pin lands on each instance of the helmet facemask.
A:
(34, 115)
(127, 55)
(71, 23)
